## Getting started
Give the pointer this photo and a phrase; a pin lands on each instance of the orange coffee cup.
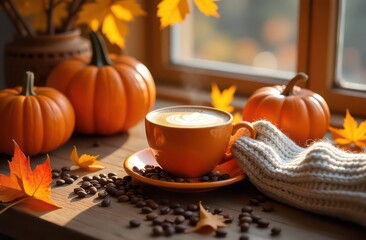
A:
(190, 141)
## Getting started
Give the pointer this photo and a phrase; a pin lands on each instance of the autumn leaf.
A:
(111, 16)
(222, 100)
(209, 221)
(351, 132)
(23, 183)
(171, 12)
(85, 161)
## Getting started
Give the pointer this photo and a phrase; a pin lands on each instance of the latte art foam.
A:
(192, 119)
(188, 117)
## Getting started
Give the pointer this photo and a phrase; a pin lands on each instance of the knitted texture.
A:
(320, 178)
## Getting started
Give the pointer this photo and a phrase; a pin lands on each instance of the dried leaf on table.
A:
(24, 184)
(171, 12)
(112, 17)
(85, 161)
(209, 222)
(351, 134)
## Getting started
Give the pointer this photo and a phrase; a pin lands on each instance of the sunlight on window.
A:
(352, 48)
(250, 35)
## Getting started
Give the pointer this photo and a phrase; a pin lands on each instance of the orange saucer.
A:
(145, 157)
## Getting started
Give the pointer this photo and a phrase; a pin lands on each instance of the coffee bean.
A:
(247, 209)
(81, 194)
(214, 178)
(217, 210)
(111, 174)
(262, 223)
(164, 210)
(141, 204)
(244, 214)
(153, 205)
(56, 171)
(275, 231)
(245, 220)
(69, 180)
(74, 176)
(255, 217)
(244, 237)
(65, 169)
(225, 176)
(87, 178)
(103, 175)
(76, 190)
(106, 202)
(180, 180)
(205, 178)
(187, 214)
(180, 228)
(175, 205)
(192, 207)
(193, 220)
(92, 190)
(55, 175)
(158, 230)
(85, 185)
(179, 219)
(228, 218)
(244, 227)
(178, 211)
(146, 210)
(64, 175)
(60, 182)
(134, 223)
(123, 198)
(102, 194)
(261, 198)
(151, 216)
(120, 193)
(97, 185)
(169, 231)
(220, 233)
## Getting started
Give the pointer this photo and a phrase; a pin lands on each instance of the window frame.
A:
(317, 51)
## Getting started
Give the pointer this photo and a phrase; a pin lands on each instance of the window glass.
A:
(250, 35)
(352, 45)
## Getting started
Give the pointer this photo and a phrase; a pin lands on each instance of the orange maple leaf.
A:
(85, 161)
(23, 183)
(351, 132)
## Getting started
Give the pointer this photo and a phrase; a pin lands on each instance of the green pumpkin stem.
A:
(28, 83)
(100, 54)
(300, 77)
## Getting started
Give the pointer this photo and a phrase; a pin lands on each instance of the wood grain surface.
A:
(83, 218)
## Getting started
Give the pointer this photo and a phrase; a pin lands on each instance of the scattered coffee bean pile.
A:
(166, 218)
(157, 173)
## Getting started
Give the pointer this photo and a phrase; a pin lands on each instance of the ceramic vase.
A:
(40, 54)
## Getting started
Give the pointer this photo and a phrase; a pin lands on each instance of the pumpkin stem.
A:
(28, 83)
(100, 54)
(300, 77)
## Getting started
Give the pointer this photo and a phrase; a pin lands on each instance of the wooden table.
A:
(83, 218)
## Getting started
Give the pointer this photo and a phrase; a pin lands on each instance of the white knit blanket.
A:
(320, 178)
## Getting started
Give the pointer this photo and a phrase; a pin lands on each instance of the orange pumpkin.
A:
(300, 113)
(39, 119)
(108, 97)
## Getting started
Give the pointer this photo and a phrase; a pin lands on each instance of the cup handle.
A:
(246, 125)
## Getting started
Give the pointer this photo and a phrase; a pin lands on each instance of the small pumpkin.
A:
(108, 96)
(300, 113)
(39, 119)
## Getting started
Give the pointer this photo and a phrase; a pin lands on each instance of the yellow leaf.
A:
(115, 30)
(351, 132)
(237, 117)
(171, 12)
(111, 16)
(222, 100)
(85, 161)
(208, 7)
(209, 221)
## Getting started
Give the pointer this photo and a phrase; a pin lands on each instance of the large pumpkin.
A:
(107, 96)
(39, 119)
(300, 113)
